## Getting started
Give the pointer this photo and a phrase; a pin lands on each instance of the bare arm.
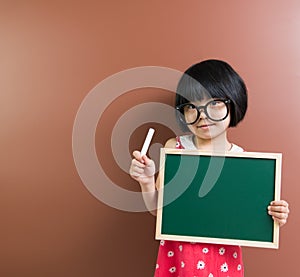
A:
(142, 169)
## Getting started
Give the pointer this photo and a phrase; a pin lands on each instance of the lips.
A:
(204, 126)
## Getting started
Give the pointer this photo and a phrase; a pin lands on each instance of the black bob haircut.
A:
(213, 79)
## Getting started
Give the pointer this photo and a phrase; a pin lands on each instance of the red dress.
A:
(185, 259)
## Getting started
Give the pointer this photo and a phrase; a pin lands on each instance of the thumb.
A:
(137, 155)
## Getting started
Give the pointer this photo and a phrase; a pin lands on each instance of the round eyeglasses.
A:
(215, 110)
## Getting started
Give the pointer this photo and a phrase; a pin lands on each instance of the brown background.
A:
(52, 53)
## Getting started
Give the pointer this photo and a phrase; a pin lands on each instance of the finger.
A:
(136, 171)
(281, 209)
(280, 221)
(137, 154)
(136, 168)
(278, 215)
(147, 160)
(136, 163)
(279, 203)
(134, 174)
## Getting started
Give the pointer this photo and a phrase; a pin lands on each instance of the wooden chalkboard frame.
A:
(167, 211)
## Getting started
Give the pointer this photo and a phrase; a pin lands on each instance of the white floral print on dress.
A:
(235, 255)
(170, 254)
(222, 251)
(180, 248)
(200, 265)
(205, 250)
(210, 275)
(239, 267)
(157, 266)
(224, 267)
(182, 264)
(172, 269)
(162, 242)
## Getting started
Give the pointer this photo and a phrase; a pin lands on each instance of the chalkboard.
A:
(218, 198)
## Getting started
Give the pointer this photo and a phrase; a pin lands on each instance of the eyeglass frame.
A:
(204, 108)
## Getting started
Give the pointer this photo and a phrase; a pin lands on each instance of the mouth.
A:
(204, 126)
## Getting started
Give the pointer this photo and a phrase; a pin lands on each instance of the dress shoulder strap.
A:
(178, 143)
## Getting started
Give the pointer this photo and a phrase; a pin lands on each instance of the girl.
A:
(210, 98)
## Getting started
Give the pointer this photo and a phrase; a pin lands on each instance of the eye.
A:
(187, 108)
(190, 106)
(216, 103)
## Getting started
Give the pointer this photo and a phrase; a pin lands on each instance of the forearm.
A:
(149, 193)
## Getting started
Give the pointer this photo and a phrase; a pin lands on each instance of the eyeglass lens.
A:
(215, 110)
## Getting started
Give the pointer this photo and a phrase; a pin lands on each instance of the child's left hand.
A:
(279, 210)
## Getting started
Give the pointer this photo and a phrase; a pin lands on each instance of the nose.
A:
(202, 114)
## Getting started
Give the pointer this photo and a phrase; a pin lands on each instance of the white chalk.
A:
(147, 142)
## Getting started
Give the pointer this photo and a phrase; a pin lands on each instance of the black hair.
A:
(213, 79)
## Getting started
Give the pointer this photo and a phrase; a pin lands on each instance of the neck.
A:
(219, 144)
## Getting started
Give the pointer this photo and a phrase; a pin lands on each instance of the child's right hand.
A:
(142, 169)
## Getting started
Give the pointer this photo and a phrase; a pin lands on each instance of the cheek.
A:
(190, 128)
(225, 123)
(228, 119)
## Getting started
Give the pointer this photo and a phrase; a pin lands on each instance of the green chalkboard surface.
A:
(218, 198)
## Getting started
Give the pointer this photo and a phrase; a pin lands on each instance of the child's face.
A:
(205, 128)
